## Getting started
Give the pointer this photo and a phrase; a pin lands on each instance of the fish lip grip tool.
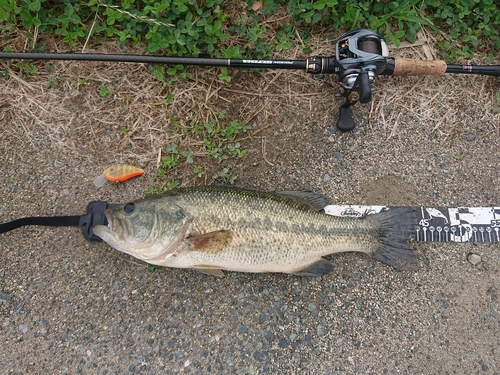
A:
(94, 216)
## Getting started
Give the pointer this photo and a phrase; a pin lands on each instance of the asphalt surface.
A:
(70, 306)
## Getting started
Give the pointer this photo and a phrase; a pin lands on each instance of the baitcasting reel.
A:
(360, 57)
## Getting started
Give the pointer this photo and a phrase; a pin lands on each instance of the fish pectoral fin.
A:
(212, 242)
(319, 268)
(208, 270)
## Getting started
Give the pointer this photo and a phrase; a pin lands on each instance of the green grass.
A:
(188, 27)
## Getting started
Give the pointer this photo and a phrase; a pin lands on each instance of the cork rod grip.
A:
(410, 67)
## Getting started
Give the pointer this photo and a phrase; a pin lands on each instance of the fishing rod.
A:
(360, 56)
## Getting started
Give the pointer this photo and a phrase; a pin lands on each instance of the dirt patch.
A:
(389, 188)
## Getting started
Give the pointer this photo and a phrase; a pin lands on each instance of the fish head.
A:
(145, 229)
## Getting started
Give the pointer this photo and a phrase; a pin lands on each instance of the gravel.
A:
(338, 155)
(23, 328)
(474, 259)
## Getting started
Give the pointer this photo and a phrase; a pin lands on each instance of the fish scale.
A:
(217, 228)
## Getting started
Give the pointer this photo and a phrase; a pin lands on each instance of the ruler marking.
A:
(488, 229)
(440, 224)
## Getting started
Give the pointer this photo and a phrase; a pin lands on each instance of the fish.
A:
(221, 228)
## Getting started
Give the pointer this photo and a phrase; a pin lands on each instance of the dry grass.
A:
(436, 100)
(73, 113)
(129, 125)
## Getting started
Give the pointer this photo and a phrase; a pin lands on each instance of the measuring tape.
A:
(440, 224)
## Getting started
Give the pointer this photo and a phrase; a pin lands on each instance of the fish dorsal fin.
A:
(213, 242)
(309, 198)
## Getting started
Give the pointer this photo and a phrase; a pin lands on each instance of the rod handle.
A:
(411, 67)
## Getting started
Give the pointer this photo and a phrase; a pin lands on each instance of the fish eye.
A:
(129, 208)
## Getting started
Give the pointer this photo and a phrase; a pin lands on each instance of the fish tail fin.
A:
(396, 227)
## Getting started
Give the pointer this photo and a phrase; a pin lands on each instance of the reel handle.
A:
(345, 121)
(362, 92)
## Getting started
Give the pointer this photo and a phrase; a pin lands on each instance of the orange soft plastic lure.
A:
(118, 173)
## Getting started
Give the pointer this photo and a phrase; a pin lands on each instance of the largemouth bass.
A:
(215, 228)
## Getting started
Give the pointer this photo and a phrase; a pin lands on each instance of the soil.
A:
(72, 306)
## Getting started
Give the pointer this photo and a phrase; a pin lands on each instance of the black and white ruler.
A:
(440, 224)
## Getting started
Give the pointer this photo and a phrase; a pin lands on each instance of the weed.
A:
(233, 129)
(27, 67)
(198, 170)
(170, 162)
(188, 155)
(152, 268)
(172, 185)
(78, 83)
(151, 190)
(51, 83)
(216, 138)
(104, 92)
(233, 149)
(224, 76)
(225, 176)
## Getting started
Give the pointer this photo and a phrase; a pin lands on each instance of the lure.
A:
(118, 173)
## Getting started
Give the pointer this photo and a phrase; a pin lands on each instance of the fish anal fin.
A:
(208, 270)
(319, 268)
(213, 242)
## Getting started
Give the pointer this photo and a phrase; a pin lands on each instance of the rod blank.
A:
(237, 63)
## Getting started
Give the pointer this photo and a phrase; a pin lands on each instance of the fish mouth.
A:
(116, 227)
(114, 233)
